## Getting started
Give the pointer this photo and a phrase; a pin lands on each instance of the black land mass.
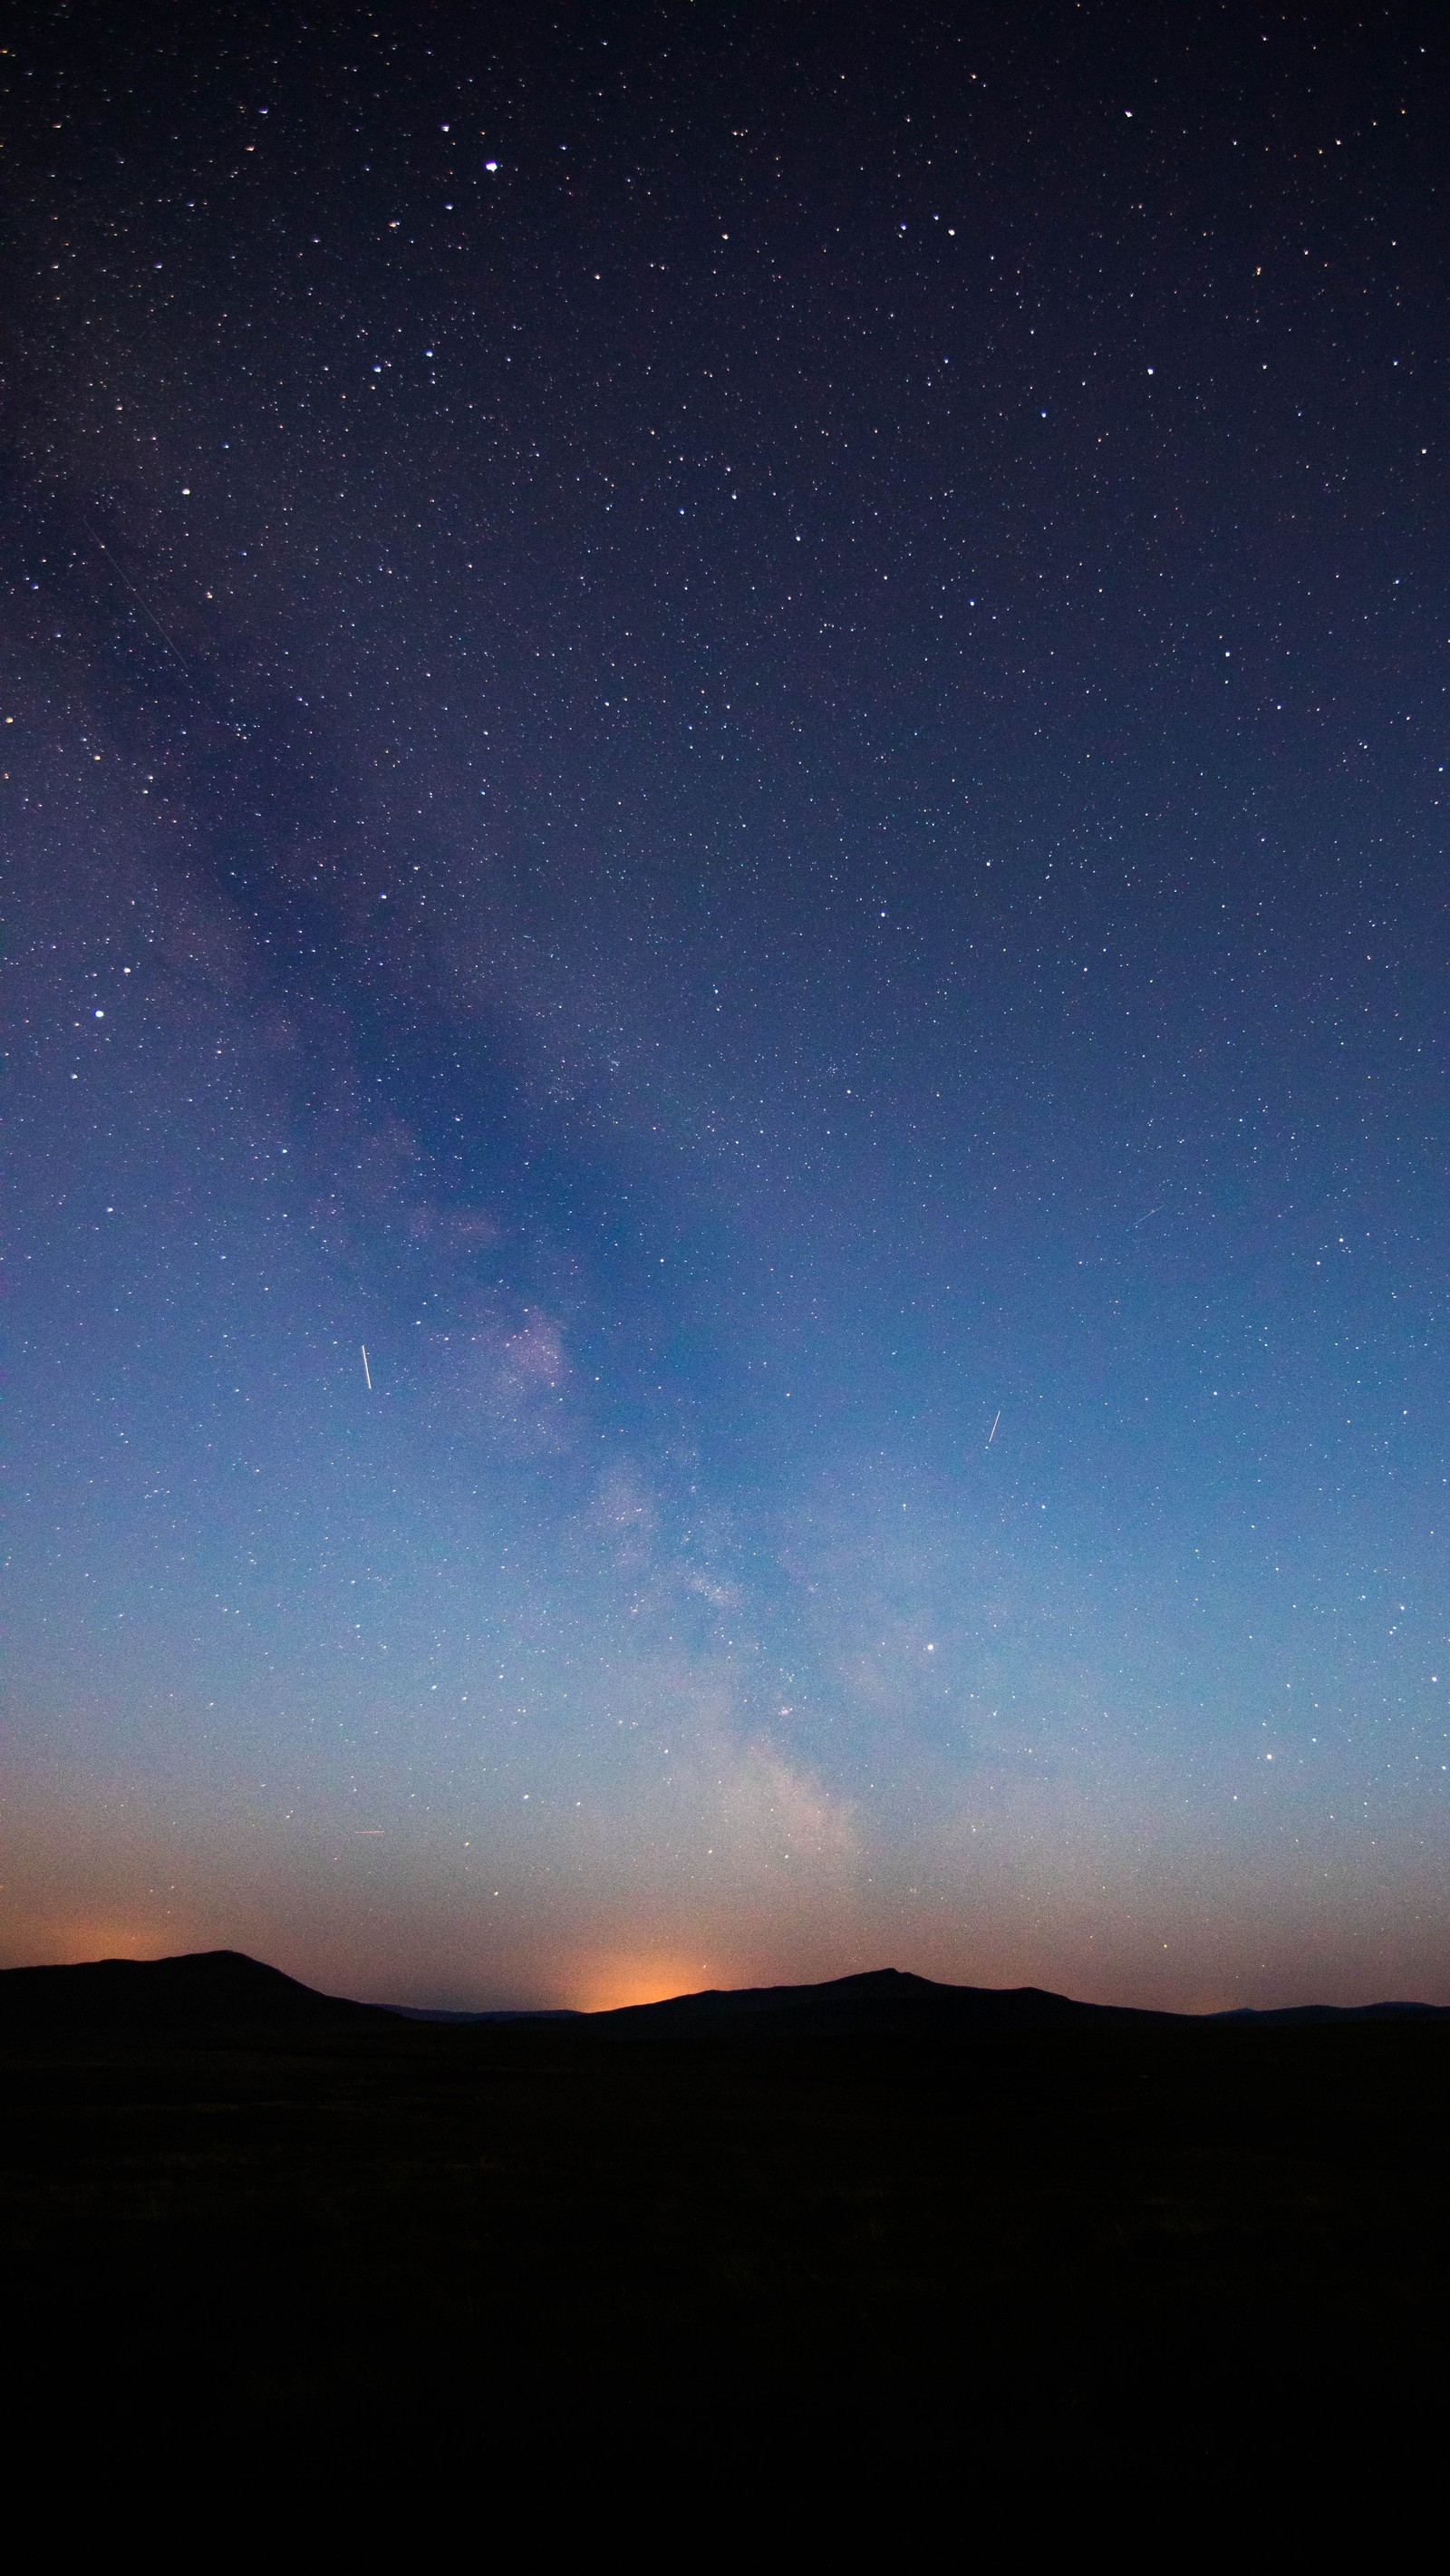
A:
(207, 1992)
(937, 2230)
(881, 2000)
(890, 1999)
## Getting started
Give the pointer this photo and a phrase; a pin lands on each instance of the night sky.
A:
(724, 729)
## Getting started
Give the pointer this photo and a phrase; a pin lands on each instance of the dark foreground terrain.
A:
(867, 2231)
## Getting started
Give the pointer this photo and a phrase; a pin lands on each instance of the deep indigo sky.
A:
(726, 727)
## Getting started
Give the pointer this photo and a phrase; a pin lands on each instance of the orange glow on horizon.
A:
(606, 1985)
(106, 1937)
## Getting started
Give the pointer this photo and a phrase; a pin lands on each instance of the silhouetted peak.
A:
(201, 1990)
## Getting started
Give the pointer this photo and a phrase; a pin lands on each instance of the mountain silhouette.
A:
(201, 1991)
(885, 2000)
(224, 1991)
(879, 2000)
(1282, 2014)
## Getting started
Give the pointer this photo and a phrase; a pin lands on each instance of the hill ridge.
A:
(228, 1989)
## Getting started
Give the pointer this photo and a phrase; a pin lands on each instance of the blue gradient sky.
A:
(729, 733)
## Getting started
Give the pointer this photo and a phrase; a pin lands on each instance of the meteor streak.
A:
(172, 647)
(992, 1434)
(367, 1372)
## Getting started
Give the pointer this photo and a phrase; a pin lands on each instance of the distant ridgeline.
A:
(204, 1990)
(224, 1992)
(887, 1999)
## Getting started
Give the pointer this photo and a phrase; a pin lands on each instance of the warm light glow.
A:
(605, 1985)
(109, 1936)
